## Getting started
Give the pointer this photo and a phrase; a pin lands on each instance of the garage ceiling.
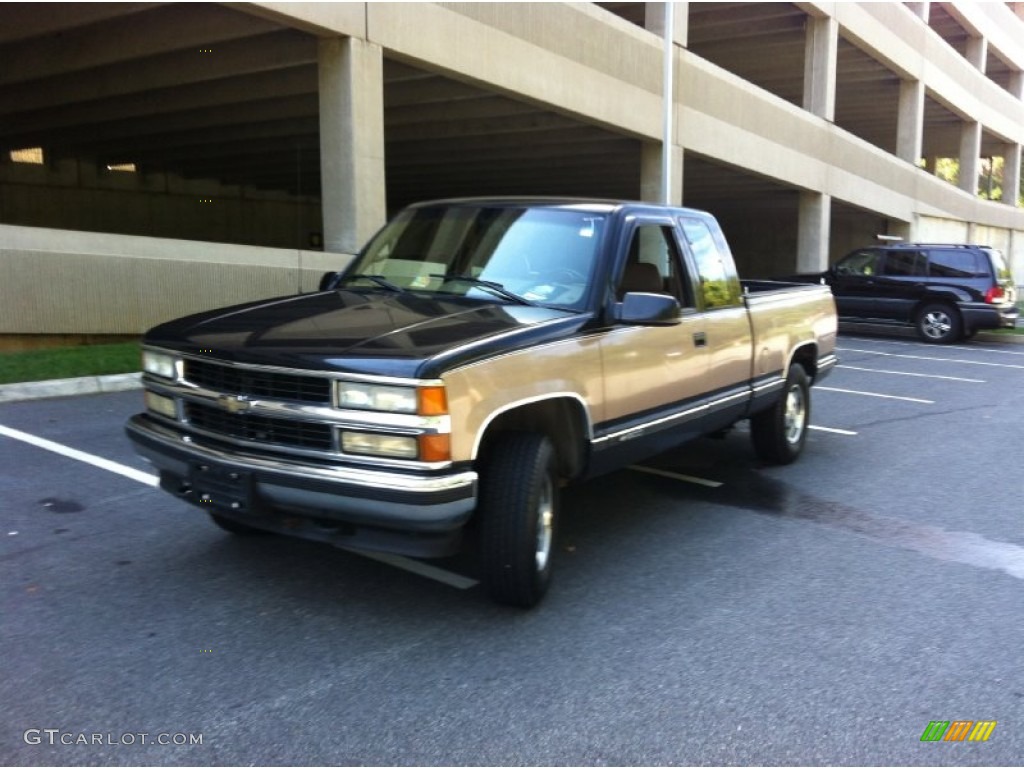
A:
(205, 90)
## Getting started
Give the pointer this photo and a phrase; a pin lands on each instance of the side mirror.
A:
(648, 309)
(329, 281)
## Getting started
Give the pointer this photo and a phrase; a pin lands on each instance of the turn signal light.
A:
(432, 401)
(994, 294)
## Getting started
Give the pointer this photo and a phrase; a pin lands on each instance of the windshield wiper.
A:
(378, 280)
(497, 288)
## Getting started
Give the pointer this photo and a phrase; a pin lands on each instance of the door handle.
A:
(700, 339)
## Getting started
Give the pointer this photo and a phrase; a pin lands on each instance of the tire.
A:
(233, 526)
(938, 324)
(518, 510)
(780, 432)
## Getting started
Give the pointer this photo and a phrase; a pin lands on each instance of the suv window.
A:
(859, 263)
(955, 263)
(905, 264)
(999, 265)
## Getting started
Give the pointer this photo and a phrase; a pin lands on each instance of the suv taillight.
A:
(994, 294)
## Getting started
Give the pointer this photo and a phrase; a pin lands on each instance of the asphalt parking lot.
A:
(711, 611)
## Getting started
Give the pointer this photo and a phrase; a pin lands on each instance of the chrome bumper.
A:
(399, 501)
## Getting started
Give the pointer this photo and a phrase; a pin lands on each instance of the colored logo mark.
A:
(958, 730)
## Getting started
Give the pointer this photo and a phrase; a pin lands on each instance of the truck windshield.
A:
(540, 255)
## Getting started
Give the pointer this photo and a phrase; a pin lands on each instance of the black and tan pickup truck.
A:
(476, 356)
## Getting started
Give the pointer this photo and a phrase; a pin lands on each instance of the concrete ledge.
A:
(86, 385)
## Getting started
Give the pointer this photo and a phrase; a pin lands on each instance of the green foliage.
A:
(69, 362)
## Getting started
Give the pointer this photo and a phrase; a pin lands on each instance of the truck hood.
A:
(365, 332)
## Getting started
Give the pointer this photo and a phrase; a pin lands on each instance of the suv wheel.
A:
(938, 324)
(518, 510)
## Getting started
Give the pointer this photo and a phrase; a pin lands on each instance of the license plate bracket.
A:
(221, 487)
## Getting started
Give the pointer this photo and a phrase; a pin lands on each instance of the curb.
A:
(86, 385)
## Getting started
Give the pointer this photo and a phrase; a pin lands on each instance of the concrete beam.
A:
(265, 86)
(163, 29)
(19, 21)
(351, 142)
(244, 56)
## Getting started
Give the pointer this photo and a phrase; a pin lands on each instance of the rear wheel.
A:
(938, 324)
(780, 432)
(518, 511)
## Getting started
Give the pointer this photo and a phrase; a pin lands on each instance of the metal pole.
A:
(668, 103)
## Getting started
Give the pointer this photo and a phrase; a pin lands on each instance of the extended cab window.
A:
(905, 264)
(720, 287)
(653, 265)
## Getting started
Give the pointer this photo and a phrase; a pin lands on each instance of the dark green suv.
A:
(947, 292)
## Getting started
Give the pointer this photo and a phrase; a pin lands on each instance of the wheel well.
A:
(807, 357)
(943, 301)
(562, 419)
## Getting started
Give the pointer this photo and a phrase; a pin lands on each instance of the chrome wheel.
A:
(796, 415)
(936, 324)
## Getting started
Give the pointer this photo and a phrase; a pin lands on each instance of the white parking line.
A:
(875, 394)
(675, 476)
(907, 373)
(111, 466)
(833, 430)
(406, 564)
(933, 359)
(960, 347)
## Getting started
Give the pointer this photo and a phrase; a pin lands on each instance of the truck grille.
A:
(256, 383)
(260, 429)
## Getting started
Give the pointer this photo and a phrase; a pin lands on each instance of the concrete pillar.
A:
(970, 156)
(902, 229)
(351, 75)
(813, 232)
(910, 121)
(820, 54)
(1011, 174)
(654, 21)
(1017, 83)
(922, 10)
(977, 52)
(650, 173)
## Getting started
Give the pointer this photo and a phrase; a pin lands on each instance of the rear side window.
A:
(999, 265)
(958, 263)
(905, 264)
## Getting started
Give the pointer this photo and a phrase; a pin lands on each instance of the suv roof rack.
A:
(935, 245)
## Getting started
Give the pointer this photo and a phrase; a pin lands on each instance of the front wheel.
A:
(780, 432)
(518, 510)
(938, 324)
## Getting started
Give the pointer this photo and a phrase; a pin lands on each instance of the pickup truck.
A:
(476, 356)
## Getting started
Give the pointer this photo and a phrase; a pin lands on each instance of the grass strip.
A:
(69, 362)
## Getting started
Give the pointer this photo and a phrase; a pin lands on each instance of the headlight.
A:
(392, 446)
(159, 364)
(426, 401)
(159, 404)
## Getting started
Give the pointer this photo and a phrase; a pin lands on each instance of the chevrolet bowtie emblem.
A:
(233, 403)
